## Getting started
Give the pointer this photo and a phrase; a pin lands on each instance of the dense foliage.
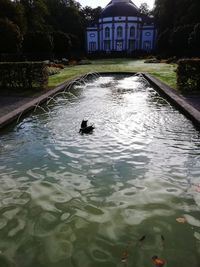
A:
(37, 42)
(194, 39)
(178, 26)
(10, 35)
(188, 78)
(52, 25)
(23, 75)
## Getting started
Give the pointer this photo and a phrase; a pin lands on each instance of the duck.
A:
(85, 128)
(84, 124)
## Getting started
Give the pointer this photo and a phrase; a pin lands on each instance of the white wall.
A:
(147, 36)
(143, 33)
(92, 36)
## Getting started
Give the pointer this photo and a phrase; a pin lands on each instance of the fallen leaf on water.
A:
(124, 260)
(124, 257)
(197, 235)
(181, 220)
(197, 189)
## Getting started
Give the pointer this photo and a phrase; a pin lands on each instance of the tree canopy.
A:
(11, 38)
(176, 21)
(35, 17)
(144, 9)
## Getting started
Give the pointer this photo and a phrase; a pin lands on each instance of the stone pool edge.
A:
(31, 104)
(177, 100)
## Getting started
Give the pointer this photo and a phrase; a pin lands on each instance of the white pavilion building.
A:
(121, 27)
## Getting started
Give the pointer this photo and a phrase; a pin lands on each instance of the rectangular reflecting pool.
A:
(116, 197)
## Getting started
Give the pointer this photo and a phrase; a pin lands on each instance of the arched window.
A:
(119, 32)
(132, 31)
(107, 32)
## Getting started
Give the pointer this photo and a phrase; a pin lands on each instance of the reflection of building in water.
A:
(121, 27)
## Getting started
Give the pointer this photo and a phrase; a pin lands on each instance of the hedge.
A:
(188, 75)
(24, 75)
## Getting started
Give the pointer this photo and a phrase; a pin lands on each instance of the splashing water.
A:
(89, 200)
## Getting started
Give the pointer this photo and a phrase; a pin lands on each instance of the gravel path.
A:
(10, 103)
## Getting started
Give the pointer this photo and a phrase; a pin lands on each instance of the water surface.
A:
(84, 200)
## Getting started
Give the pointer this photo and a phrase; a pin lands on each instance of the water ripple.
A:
(70, 200)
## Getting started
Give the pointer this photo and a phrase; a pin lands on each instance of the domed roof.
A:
(119, 8)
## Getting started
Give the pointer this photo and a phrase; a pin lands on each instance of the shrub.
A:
(162, 42)
(10, 36)
(188, 78)
(152, 60)
(23, 75)
(194, 39)
(61, 42)
(75, 42)
(52, 71)
(55, 65)
(179, 38)
(171, 60)
(37, 42)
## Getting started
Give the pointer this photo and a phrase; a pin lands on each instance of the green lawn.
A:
(165, 72)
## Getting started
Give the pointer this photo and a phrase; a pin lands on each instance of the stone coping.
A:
(30, 105)
(177, 100)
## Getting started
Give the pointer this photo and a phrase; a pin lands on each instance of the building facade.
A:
(121, 27)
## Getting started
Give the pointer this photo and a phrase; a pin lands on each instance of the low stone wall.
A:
(24, 75)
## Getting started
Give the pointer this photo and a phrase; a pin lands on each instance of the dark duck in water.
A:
(85, 128)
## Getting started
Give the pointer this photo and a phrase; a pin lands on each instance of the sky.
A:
(103, 3)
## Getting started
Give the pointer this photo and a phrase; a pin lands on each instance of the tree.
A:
(11, 37)
(174, 13)
(144, 9)
(164, 13)
(44, 16)
(14, 12)
(194, 39)
(37, 42)
(75, 41)
(36, 13)
(187, 12)
(90, 15)
(179, 38)
(163, 43)
(61, 42)
(65, 16)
